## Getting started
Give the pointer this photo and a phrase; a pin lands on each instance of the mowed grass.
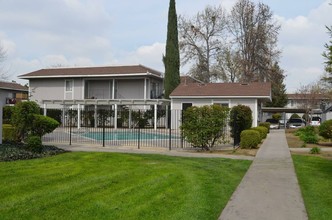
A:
(117, 186)
(315, 179)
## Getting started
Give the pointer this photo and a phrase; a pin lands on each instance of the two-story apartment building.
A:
(111, 83)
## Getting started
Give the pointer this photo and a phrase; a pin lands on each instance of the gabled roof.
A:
(198, 90)
(134, 70)
(13, 86)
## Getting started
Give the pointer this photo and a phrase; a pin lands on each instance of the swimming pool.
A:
(127, 135)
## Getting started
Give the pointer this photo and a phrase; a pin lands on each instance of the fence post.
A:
(169, 127)
(70, 121)
(181, 133)
(103, 131)
(139, 129)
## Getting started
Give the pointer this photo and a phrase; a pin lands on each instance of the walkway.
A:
(270, 189)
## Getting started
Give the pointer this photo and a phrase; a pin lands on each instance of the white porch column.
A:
(113, 89)
(145, 87)
(115, 116)
(45, 110)
(78, 116)
(166, 116)
(155, 116)
(255, 114)
(95, 116)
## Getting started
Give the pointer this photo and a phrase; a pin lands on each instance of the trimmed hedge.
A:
(8, 132)
(325, 129)
(265, 124)
(250, 139)
(262, 131)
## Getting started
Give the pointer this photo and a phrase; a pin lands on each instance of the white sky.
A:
(42, 33)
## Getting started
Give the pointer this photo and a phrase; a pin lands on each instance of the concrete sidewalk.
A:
(270, 189)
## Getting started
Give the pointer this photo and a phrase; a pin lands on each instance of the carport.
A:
(283, 111)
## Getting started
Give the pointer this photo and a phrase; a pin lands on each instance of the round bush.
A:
(262, 131)
(34, 144)
(250, 139)
(325, 129)
(265, 124)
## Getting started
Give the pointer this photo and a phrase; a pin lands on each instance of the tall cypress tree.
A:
(172, 57)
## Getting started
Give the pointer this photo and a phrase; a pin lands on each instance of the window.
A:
(186, 105)
(69, 85)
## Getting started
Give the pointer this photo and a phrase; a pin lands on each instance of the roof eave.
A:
(90, 75)
(223, 97)
(23, 90)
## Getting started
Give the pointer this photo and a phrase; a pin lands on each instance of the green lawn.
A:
(117, 186)
(315, 178)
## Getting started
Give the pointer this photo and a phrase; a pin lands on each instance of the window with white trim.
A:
(69, 85)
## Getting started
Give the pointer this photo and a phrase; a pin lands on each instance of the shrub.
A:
(307, 135)
(294, 116)
(34, 144)
(42, 125)
(203, 126)
(276, 116)
(250, 139)
(240, 119)
(262, 131)
(309, 139)
(7, 114)
(23, 115)
(8, 132)
(266, 125)
(315, 150)
(325, 129)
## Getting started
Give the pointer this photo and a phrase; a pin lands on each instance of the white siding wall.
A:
(130, 89)
(46, 89)
(176, 105)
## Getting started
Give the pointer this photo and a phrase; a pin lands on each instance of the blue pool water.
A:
(126, 135)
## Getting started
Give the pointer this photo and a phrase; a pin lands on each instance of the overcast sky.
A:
(42, 33)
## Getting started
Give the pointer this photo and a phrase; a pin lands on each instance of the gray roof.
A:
(134, 70)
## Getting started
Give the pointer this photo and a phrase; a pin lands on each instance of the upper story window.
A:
(69, 85)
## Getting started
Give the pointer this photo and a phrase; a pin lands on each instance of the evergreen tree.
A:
(328, 56)
(172, 57)
(279, 96)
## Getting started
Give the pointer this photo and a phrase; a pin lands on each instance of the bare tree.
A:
(229, 65)
(254, 37)
(310, 97)
(201, 41)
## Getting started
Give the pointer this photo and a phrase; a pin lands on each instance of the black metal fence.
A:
(104, 126)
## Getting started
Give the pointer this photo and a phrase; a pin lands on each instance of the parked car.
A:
(295, 123)
(315, 121)
(274, 123)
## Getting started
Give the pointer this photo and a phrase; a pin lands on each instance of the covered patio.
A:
(114, 104)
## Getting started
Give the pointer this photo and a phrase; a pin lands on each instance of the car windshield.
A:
(272, 121)
(315, 119)
(295, 120)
